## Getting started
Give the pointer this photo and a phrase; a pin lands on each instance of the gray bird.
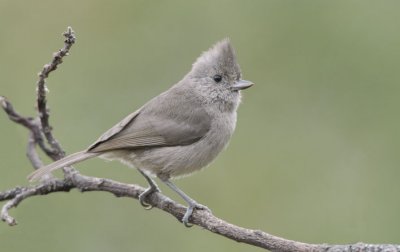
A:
(177, 132)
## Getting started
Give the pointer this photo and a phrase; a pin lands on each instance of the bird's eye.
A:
(217, 78)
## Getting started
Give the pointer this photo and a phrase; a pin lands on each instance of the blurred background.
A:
(315, 156)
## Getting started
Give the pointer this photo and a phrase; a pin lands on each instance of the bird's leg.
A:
(151, 189)
(192, 203)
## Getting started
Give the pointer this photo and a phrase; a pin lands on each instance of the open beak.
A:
(242, 84)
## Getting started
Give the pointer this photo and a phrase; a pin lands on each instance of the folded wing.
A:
(149, 128)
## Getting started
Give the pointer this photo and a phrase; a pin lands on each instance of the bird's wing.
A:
(155, 128)
(115, 129)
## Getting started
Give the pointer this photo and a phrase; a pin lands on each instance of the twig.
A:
(73, 179)
(43, 111)
(42, 90)
(32, 125)
(13, 115)
(10, 194)
(31, 152)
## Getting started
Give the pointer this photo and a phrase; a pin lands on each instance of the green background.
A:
(315, 156)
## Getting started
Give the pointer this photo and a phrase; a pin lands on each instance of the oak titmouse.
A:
(177, 132)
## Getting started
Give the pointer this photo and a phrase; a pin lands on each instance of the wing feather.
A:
(157, 124)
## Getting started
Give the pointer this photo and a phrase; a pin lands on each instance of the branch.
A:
(201, 218)
(42, 90)
(40, 130)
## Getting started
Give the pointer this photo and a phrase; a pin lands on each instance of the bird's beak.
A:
(242, 84)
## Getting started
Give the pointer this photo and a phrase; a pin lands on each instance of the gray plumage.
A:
(179, 131)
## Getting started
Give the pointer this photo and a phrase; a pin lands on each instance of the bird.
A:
(178, 132)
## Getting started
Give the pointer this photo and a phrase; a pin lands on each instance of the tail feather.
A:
(67, 161)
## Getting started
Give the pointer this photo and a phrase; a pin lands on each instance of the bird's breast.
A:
(176, 161)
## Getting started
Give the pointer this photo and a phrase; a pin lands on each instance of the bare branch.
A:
(40, 129)
(13, 115)
(42, 90)
(31, 152)
(43, 111)
(10, 194)
(202, 218)
(32, 125)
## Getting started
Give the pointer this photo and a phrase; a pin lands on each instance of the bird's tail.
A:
(67, 161)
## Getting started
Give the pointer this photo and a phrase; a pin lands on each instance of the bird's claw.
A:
(189, 212)
(145, 205)
(145, 194)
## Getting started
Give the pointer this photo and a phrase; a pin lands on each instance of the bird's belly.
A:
(178, 161)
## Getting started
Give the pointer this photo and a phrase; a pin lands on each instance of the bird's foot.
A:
(145, 194)
(189, 212)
